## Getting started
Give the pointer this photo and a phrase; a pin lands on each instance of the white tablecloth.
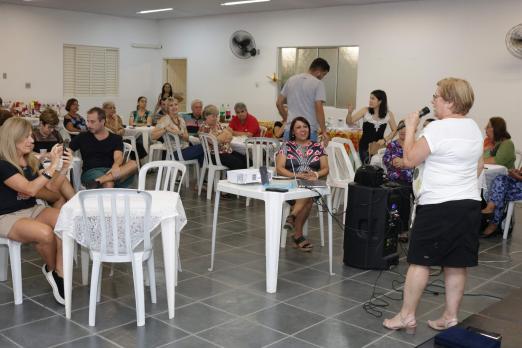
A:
(237, 144)
(165, 204)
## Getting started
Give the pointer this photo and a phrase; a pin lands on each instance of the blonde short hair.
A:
(210, 110)
(106, 104)
(457, 91)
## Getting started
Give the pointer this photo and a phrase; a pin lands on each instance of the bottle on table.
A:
(222, 113)
(228, 115)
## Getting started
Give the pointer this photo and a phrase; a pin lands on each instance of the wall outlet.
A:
(4, 76)
(28, 85)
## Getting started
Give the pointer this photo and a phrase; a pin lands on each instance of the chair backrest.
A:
(340, 165)
(116, 221)
(518, 158)
(167, 175)
(354, 155)
(262, 150)
(209, 142)
(173, 145)
(127, 150)
(262, 133)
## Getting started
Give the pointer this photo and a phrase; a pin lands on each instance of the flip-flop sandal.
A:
(302, 244)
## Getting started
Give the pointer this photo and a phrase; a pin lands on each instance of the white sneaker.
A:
(56, 283)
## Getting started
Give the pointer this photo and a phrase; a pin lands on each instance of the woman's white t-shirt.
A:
(450, 171)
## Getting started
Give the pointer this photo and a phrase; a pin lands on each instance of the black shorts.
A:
(446, 234)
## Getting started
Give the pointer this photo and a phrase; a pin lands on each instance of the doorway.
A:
(175, 73)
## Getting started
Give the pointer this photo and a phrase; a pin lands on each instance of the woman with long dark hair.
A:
(502, 149)
(376, 116)
(166, 92)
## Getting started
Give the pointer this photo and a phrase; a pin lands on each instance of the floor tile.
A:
(323, 303)
(26, 312)
(201, 287)
(191, 342)
(80, 299)
(291, 342)
(510, 278)
(237, 276)
(6, 343)
(353, 290)
(285, 289)
(312, 278)
(6, 294)
(153, 334)
(201, 264)
(196, 317)
(241, 333)
(161, 301)
(362, 318)
(335, 334)
(240, 302)
(108, 315)
(238, 256)
(285, 318)
(495, 289)
(89, 342)
(387, 342)
(37, 333)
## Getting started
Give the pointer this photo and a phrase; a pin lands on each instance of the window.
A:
(341, 81)
(90, 70)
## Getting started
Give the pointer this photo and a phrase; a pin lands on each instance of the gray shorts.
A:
(8, 220)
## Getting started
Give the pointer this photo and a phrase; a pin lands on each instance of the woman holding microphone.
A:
(446, 228)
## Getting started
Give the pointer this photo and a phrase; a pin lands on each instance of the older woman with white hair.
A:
(21, 219)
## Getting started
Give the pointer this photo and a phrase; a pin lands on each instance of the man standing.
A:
(102, 154)
(305, 94)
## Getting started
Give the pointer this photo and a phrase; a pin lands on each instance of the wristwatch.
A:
(47, 175)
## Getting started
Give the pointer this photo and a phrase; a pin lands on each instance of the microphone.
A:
(425, 110)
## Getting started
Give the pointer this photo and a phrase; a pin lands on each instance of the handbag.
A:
(374, 147)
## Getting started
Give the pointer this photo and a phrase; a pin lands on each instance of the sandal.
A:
(302, 243)
(442, 324)
(289, 224)
(407, 325)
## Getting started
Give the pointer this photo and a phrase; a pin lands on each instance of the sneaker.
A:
(56, 283)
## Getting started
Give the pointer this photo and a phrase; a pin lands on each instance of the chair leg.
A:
(98, 291)
(152, 277)
(85, 265)
(345, 205)
(137, 275)
(286, 212)
(3, 262)
(16, 270)
(202, 179)
(321, 224)
(210, 182)
(95, 276)
(197, 176)
(187, 178)
(507, 221)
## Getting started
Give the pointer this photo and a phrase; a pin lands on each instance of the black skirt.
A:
(446, 234)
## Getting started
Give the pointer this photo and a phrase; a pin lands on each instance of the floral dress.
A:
(394, 150)
(301, 158)
(216, 130)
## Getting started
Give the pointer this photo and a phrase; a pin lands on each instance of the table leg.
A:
(330, 232)
(214, 226)
(168, 237)
(67, 252)
(273, 212)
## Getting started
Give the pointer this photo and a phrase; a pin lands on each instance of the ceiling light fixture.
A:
(158, 10)
(233, 3)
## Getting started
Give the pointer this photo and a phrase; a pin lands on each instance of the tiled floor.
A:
(229, 307)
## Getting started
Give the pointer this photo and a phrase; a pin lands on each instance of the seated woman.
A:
(399, 173)
(4, 116)
(20, 218)
(231, 159)
(278, 130)
(502, 151)
(141, 116)
(304, 159)
(72, 121)
(114, 124)
(46, 135)
(504, 188)
(173, 123)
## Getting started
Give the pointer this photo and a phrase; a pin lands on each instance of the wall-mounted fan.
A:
(514, 41)
(242, 44)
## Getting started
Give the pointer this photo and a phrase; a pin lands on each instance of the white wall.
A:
(32, 51)
(405, 48)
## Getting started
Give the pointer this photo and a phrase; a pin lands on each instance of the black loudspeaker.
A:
(372, 226)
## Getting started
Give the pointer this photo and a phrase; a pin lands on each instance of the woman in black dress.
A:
(375, 118)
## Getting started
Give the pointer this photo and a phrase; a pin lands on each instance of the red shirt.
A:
(251, 125)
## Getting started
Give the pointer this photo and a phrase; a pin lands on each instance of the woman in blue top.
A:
(141, 116)
(72, 121)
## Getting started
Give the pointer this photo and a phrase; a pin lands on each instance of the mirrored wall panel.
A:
(340, 83)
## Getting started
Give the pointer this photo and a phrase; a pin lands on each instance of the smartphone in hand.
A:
(65, 145)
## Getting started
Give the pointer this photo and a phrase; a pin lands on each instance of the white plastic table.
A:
(166, 210)
(144, 131)
(273, 216)
(237, 143)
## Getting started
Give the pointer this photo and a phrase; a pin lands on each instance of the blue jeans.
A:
(192, 152)
(503, 189)
(313, 135)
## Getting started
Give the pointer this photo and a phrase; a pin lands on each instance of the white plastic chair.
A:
(173, 145)
(167, 175)
(340, 174)
(127, 150)
(116, 242)
(209, 142)
(157, 147)
(354, 155)
(13, 247)
(511, 205)
(132, 140)
(518, 158)
(262, 132)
